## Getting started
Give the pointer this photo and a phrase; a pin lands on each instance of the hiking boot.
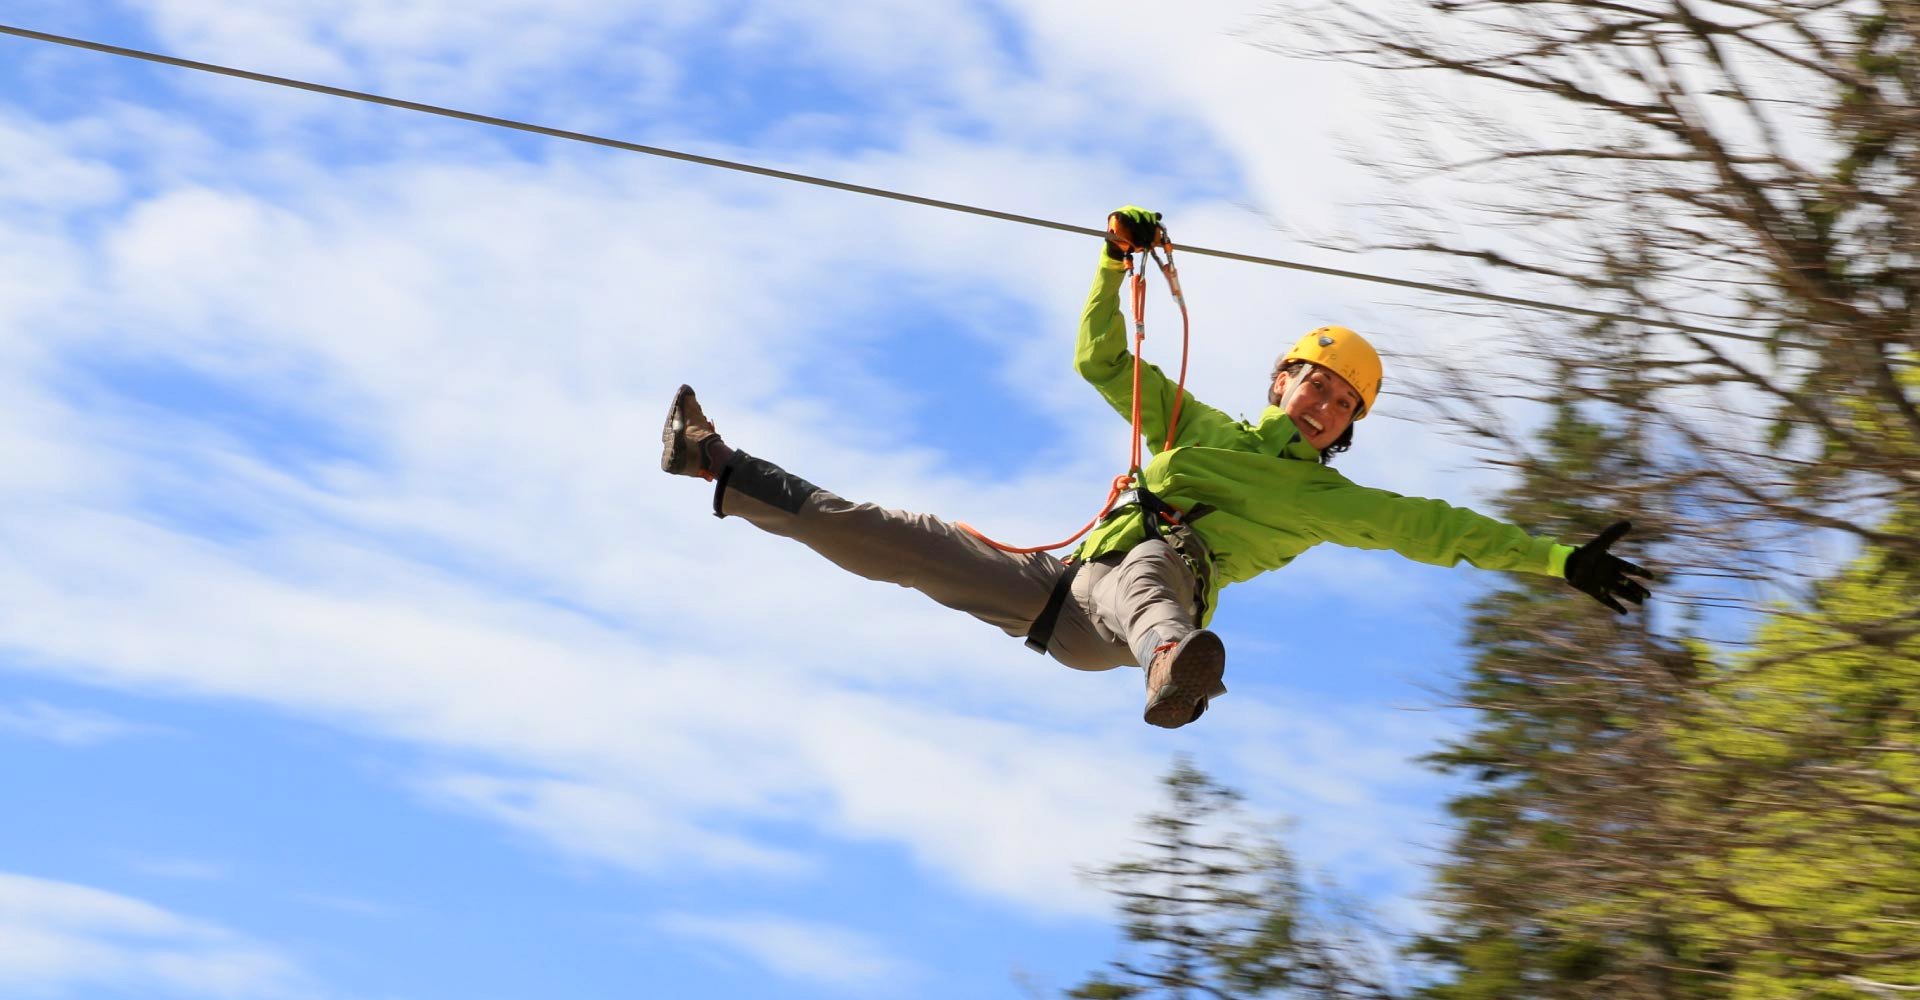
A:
(1182, 677)
(687, 437)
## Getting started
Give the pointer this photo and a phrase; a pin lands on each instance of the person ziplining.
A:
(1221, 501)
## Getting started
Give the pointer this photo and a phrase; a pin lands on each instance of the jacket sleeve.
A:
(1428, 531)
(1102, 358)
(1305, 498)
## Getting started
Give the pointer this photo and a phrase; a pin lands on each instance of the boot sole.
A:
(673, 451)
(1196, 672)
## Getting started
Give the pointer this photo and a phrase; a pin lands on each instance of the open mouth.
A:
(1315, 424)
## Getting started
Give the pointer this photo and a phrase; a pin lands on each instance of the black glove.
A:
(1604, 576)
(1131, 228)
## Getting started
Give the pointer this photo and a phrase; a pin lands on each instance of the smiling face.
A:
(1321, 403)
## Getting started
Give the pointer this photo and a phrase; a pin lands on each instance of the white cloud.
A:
(794, 949)
(669, 749)
(612, 826)
(41, 173)
(57, 936)
(458, 53)
(65, 726)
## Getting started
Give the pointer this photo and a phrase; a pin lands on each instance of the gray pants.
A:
(1120, 609)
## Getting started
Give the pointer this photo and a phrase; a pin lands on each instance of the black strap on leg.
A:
(1042, 631)
(720, 488)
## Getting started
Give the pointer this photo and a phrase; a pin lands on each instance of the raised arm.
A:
(1102, 357)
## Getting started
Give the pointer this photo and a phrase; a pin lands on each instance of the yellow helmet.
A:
(1344, 353)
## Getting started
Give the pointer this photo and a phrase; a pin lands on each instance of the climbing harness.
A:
(1129, 489)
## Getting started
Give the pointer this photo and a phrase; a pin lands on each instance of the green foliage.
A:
(1808, 754)
(1548, 892)
(1651, 820)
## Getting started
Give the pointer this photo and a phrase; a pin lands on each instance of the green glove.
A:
(1131, 228)
(1604, 576)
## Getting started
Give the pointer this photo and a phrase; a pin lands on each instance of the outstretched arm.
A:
(1306, 498)
(1434, 531)
(1428, 531)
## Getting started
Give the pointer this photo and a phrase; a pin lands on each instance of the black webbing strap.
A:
(1150, 508)
(720, 488)
(1155, 514)
(1042, 631)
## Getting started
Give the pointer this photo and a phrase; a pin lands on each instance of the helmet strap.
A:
(1301, 369)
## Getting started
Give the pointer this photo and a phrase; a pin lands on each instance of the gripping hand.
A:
(1604, 576)
(1131, 228)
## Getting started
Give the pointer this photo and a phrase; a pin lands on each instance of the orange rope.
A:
(1125, 481)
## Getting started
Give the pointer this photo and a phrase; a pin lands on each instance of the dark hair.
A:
(1344, 442)
(1340, 444)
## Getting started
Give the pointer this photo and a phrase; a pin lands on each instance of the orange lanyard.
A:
(1126, 481)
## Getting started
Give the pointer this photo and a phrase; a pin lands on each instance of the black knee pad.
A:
(763, 481)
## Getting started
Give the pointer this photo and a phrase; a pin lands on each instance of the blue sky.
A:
(351, 643)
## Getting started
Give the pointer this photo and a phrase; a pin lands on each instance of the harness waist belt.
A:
(1151, 503)
(1120, 504)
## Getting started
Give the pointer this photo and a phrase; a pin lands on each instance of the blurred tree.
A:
(1572, 763)
(1722, 799)
(1218, 909)
(1748, 167)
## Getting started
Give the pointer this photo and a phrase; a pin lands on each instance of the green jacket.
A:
(1272, 497)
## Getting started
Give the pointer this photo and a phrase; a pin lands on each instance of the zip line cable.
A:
(785, 175)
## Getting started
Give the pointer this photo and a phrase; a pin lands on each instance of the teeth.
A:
(1315, 424)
